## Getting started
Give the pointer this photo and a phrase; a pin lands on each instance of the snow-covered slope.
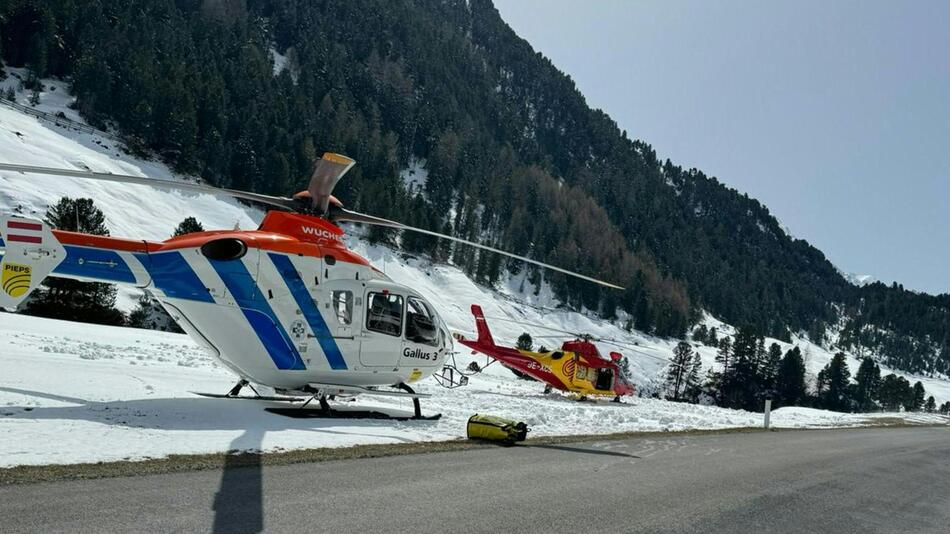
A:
(859, 280)
(83, 393)
(71, 393)
(130, 210)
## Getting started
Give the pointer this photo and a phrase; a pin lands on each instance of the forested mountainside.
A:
(246, 93)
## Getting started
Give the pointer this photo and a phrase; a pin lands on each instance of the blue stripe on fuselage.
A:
(297, 288)
(97, 263)
(259, 314)
(172, 275)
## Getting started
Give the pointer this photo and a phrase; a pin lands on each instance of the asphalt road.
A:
(867, 480)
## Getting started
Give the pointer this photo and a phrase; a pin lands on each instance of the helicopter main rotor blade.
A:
(565, 333)
(342, 214)
(619, 344)
(280, 202)
(326, 173)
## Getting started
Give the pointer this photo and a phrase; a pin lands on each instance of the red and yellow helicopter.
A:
(577, 367)
(287, 306)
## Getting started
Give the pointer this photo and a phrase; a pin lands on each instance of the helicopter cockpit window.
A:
(384, 313)
(420, 322)
(343, 306)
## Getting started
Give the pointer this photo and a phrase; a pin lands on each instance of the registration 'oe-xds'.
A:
(286, 306)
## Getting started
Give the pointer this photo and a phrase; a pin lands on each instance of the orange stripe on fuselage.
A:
(98, 241)
(268, 241)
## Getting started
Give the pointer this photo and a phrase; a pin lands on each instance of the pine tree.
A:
(140, 317)
(790, 379)
(740, 387)
(149, 314)
(713, 338)
(642, 315)
(868, 383)
(837, 377)
(724, 355)
(189, 225)
(524, 342)
(719, 378)
(770, 366)
(894, 392)
(693, 387)
(915, 398)
(821, 387)
(700, 333)
(680, 368)
(758, 360)
(71, 300)
(931, 405)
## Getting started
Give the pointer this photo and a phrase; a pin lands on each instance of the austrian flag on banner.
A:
(24, 232)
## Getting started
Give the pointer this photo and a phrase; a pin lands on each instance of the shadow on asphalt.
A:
(192, 414)
(239, 503)
(583, 450)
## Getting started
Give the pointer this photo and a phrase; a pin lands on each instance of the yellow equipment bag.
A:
(493, 428)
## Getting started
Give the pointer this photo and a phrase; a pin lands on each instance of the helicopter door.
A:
(382, 329)
(420, 345)
(605, 379)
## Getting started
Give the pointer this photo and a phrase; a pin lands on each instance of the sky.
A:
(835, 115)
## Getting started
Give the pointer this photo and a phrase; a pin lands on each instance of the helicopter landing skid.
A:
(326, 411)
(297, 413)
(256, 397)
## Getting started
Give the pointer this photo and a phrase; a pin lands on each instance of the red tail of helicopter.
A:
(576, 368)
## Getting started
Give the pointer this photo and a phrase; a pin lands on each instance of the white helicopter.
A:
(287, 306)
